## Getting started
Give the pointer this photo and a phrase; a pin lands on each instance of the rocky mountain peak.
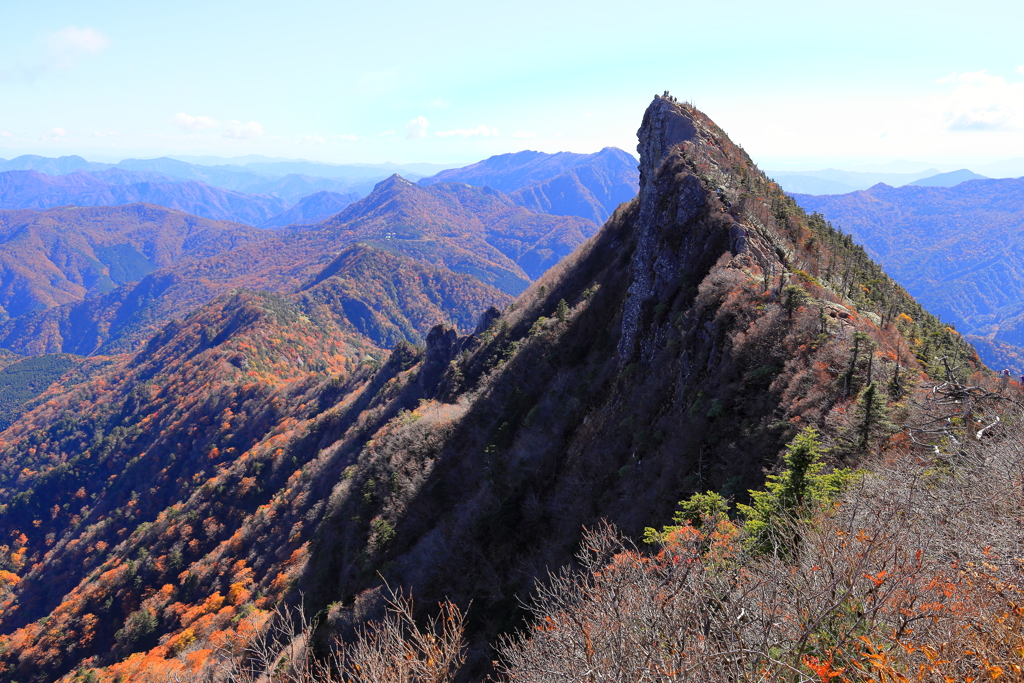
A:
(700, 196)
(666, 123)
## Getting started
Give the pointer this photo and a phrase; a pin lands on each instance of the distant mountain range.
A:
(245, 175)
(276, 193)
(563, 184)
(35, 190)
(834, 181)
(950, 179)
(959, 250)
(896, 174)
(442, 253)
(312, 209)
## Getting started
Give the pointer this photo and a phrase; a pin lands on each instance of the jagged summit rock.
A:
(692, 210)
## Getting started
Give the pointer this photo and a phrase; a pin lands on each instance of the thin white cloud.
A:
(387, 132)
(417, 128)
(522, 135)
(1020, 69)
(192, 123)
(58, 131)
(983, 102)
(61, 50)
(6, 134)
(71, 43)
(346, 137)
(243, 131)
(316, 138)
(438, 103)
(479, 131)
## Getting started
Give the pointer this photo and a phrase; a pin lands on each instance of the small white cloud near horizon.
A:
(69, 44)
(192, 123)
(347, 137)
(983, 102)
(479, 131)
(6, 134)
(522, 135)
(58, 131)
(243, 131)
(417, 128)
(316, 138)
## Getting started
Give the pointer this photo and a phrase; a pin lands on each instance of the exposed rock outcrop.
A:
(686, 222)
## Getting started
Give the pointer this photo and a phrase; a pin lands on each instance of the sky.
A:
(798, 84)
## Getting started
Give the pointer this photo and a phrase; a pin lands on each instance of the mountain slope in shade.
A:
(461, 230)
(564, 184)
(56, 256)
(312, 209)
(252, 453)
(959, 250)
(33, 190)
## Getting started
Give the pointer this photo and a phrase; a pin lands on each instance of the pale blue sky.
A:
(804, 83)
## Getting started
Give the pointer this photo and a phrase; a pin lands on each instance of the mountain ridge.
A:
(458, 229)
(676, 351)
(564, 184)
(33, 190)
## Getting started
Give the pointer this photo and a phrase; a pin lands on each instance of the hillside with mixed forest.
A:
(485, 245)
(956, 249)
(56, 256)
(261, 454)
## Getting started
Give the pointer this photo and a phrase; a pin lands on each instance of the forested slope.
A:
(957, 249)
(477, 238)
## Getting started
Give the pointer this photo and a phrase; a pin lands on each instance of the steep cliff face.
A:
(693, 207)
(676, 351)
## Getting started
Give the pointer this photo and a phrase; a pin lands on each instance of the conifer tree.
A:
(872, 417)
(562, 311)
(802, 486)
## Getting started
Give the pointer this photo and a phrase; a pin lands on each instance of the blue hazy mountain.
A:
(563, 184)
(34, 190)
(836, 181)
(958, 250)
(312, 209)
(949, 179)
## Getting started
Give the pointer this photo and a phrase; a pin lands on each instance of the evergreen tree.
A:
(794, 297)
(801, 487)
(562, 311)
(871, 418)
